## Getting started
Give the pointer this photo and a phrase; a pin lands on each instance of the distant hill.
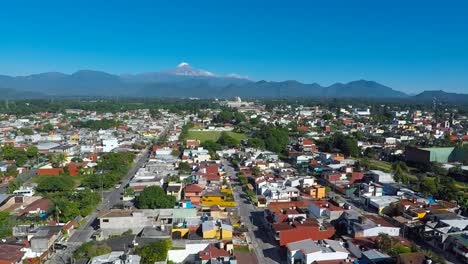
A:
(185, 81)
(441, 97)
(13, 94)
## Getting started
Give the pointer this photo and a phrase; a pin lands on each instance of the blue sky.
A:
(408, 45)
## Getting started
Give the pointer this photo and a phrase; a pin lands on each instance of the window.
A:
(105, 220)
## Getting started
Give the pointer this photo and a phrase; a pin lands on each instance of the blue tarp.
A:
(431, 200)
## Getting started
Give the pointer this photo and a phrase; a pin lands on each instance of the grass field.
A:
(212, 135)
(387, 167)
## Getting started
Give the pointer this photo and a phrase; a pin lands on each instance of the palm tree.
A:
(463, 203)
(58, 159)
(400, 169)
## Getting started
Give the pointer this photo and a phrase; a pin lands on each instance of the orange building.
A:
(317, 192)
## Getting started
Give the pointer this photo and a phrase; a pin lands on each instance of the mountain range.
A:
(185, 81)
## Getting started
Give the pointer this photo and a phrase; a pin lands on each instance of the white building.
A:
(279, 193)
(196, 155)
(309, 251)
(109, 144)
(116, 257)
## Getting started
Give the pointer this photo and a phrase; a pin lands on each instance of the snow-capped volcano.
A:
(186, 70)
(237, 76)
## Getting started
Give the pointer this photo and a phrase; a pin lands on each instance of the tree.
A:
(400, 169)
(242, 179)
(97, 124)
(9, 152)
(65, 210)
(13, 186)
(26, 131)
(58, 159)
(47, 128)
(77, 159)
(365, 163)
(128, 232)
(327, 116)
(156, 251)
(32, 152)
(175, 153)
(12, 171)
(399, 249)
(69, 205)
(447, 188)
(274, 138)
(256, 170)
(91, 250)
(154, 197)
(112, 167)
(384, 242)
(21, 158)
(7, 222)
(211, 146)
(348, 145)
(116, 161)
(184, 167)
(227, 140)
(257, 143)
(54, 184)
(428, 186)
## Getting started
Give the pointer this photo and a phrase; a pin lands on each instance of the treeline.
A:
(109, 171)
(18, 157)
(184, 132)
(229, 116)
(26, 107)
(348, 145)
(274, 138)
(97, 124)
(70, 203)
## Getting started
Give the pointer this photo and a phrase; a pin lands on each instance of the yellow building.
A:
(317, 191)
(223, 199)
(216, 230)
(419, 213)
(74, 138)
(180, 232)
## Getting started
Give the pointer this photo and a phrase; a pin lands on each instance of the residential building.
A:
(309, 251)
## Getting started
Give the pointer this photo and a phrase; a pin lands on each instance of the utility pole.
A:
(102, 188)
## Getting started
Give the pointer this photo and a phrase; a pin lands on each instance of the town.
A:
(233, 181)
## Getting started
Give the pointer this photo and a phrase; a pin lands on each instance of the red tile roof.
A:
(49, 171)
(10, 253)
(307, 142)
(379, 220)
(41, 204)
(328, 205)
(74, 167)
(211, 251)
(308, 230)
(193, 188)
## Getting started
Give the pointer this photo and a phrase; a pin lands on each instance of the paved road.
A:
(86, 229)
(265, 247)
(110, 198)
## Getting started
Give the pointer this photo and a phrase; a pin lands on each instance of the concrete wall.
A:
(320, 256)
(179, 255)
(373, 232)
